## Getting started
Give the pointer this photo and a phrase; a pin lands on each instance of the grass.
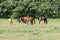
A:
(16, 31)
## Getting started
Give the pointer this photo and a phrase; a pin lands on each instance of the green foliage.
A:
(15, 15)
(15, 8)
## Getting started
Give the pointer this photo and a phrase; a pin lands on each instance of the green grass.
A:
(16, 31)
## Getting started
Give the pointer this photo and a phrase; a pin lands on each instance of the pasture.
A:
(16, 31)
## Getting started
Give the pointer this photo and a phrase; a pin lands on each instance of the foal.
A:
(10, 21)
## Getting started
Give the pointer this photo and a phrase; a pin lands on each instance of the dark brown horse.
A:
(26, 19)
(42, 18)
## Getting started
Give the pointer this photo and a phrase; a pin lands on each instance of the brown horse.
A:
(42, 18)
(27, 19)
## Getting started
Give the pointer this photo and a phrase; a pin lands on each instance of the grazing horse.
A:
(42, 18)
(29, 19)
(26, 19)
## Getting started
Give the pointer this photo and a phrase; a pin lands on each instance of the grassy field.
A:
(16, 31)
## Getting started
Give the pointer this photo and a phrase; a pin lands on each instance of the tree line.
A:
(35, 8)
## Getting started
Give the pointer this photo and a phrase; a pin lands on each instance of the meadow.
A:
(16, 31)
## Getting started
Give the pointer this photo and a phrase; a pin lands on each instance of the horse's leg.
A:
(45, 21)
(39, 21)
(27, 21)
(24, 21)
(34, 22)
(31, 22)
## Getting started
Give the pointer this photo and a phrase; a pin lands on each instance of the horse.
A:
(42, 18)
(27, 19)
